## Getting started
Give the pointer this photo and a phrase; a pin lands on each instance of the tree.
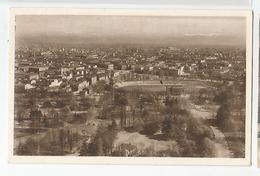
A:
(84, 149)
(20, 115)
(31, 101)
(172, 130)
(65, 113)
(47, 104)
(70, 139)
(99, 87)
(74, 87)
(207, 148)
(111, 82)
(166, 125)
(188, 147)
(224, 96)
(35, 116)
(113, 126)
(73, 104)
(99, 147)
(28, 148)
(223, 114)
(147, 98)
(86, 102)
(60, 104)
(122, 116)
(229, 125)
(151, 128)
(170, 102)
(121, 100)
(108, 141)
(61, 140)
(108, 87)
(45, 121)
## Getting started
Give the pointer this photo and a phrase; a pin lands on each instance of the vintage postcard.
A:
(107, 86)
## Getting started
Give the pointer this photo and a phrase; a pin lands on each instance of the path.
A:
(221, 145)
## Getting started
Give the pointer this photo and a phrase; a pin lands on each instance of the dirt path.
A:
(221, 146)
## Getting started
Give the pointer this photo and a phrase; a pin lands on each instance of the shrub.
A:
(188, 147)
(229, 125)
(237, 147)
(102, 144)
(27, 148)
(207, 148)
(151, 128)
(125, 150)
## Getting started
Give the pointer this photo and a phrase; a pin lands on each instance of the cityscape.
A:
(105, 96)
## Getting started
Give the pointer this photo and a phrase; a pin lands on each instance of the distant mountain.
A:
(182, 41)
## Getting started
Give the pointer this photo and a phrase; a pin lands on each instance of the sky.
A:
(144, 30)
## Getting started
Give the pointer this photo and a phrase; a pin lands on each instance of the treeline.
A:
(231, 117)
(193, 138)
(56, 142)
(102, 144)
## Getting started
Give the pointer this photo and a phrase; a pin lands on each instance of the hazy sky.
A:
(130, 29)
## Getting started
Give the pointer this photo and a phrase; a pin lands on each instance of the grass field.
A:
(156, 86)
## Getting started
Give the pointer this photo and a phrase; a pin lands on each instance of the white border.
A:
(255, 100)
(131, 160)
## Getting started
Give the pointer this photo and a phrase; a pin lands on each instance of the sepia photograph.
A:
(130, 86)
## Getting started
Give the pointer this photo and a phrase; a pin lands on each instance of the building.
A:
(34, 76)
(110, 67)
